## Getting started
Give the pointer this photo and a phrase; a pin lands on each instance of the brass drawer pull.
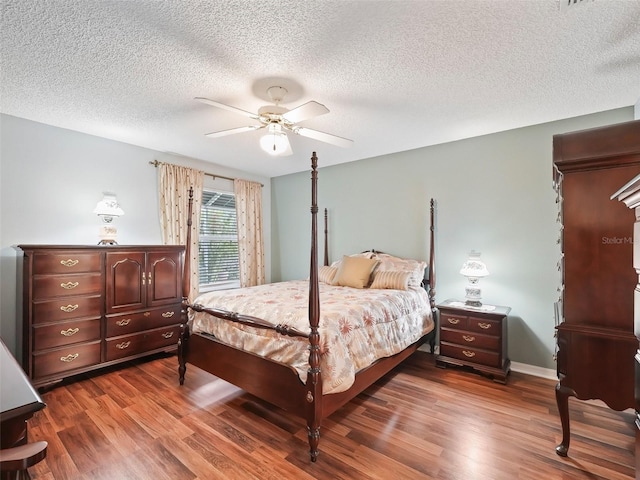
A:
(453, 321)
(69, 308)
(469, 354)
(123, 345)
(69, 263)
(168, 314)
(486, 326)
(124, 322)
(469, 338)
(69, 285)
(167, 334)
(146, 314)
(69, 332)
(69, 358)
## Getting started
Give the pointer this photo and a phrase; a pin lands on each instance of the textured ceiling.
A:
(395, 75)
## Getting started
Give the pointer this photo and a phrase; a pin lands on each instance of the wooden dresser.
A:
(475, 338)
(630, 195)
(596, 344)
(87, 307)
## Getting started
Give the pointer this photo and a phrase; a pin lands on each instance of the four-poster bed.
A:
(298, 388)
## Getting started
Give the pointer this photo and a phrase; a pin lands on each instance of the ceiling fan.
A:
(278, 121)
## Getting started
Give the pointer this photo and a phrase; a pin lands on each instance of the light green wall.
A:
(52, 178)
(494, 195)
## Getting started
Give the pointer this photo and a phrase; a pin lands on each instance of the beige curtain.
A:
(250, 244)
(174, 182)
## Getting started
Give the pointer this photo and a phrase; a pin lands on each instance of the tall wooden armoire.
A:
(596, 344)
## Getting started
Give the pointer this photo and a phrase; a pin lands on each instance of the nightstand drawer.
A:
(468, 354)
(485, 326)
(453, 321)
(65, 333)
(470, 339)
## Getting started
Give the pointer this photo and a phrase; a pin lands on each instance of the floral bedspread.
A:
(357, 326)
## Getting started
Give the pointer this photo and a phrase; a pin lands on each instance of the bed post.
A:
(314, 378)
(432, 272)
(326, 245)
(432, 256)
(186, 288)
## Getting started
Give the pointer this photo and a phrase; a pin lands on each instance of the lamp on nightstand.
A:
(107, 208)
(474, 269)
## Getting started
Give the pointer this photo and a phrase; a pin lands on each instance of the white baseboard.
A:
(549, 373)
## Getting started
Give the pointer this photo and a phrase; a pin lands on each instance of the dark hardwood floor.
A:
(136, 422)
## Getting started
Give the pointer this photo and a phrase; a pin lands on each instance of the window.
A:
(218, 263)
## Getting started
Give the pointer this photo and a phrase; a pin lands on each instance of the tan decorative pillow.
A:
(354, 272)
(326, 274)
(396, 280)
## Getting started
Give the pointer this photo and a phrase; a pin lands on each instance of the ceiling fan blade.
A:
(305, 111)
(323, 137)
(227, 107)
(231, 131)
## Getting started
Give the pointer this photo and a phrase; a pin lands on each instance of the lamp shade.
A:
(275, 142)
(473, 266)
(108, 206)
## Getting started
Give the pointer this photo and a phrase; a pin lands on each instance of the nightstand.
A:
(474, 337)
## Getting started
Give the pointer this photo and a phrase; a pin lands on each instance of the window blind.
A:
(218, 240)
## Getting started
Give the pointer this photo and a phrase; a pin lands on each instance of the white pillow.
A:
(389, 263)
(363, 254)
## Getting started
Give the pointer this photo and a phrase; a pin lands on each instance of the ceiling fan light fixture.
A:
(278, 121)
(275, 142)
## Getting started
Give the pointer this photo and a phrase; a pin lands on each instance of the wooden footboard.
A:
(256, 375)
(275, 382)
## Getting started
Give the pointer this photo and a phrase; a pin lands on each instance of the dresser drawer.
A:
(449, 320)
(65, 333)
(68, 262)
(142, 342)
(49, 286)
(485, 326)
(162, 337)
(468, 354)
(137, 322)
(470, 339)
(66, 359)
(67, 308)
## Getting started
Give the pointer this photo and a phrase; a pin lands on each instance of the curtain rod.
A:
(155, 163)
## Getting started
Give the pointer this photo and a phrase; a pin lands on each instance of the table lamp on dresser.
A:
(108, 208)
